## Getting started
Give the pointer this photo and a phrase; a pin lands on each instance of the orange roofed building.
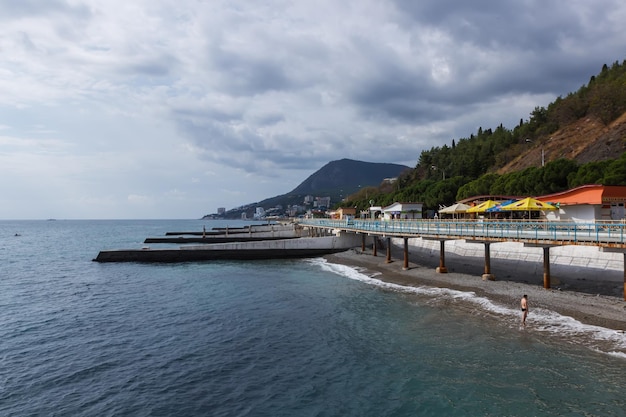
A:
(343, 213)
(588, 203)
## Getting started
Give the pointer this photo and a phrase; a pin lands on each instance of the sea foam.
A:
(541, 321)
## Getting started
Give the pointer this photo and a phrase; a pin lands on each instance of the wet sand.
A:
(589, 295)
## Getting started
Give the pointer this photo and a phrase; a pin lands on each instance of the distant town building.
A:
(244, 216)
(294, 210)
(259, 213)
(221, 210)
(309, 199)
(322, 202)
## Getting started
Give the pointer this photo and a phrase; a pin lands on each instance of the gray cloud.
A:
(414, 66)
(247, 76)
(275, 90)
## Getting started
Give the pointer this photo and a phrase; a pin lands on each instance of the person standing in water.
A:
(524, 304)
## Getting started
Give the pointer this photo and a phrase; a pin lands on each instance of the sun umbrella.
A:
(482, 207)
(455, 208)
(498, 207)
(529, 204)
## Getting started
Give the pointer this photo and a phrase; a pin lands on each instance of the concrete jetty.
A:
(226, 235)
(287, 227)
(305, 247)
(212, 239)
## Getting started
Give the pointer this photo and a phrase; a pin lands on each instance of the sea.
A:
(272, 338)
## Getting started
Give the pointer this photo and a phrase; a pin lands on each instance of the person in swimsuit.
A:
(524, 304)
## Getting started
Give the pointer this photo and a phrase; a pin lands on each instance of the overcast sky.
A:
(173, 108)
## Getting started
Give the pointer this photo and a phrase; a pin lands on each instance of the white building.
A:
(403, 211)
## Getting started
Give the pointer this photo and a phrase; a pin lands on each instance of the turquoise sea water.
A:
(271, 338)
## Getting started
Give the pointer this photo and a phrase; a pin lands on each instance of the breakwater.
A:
(262, 244)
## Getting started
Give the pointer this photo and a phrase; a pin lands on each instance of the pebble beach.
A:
(591, 296)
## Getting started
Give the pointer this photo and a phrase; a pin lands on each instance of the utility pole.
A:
(543, 155)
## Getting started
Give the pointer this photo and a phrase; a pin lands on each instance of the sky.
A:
(170, 109)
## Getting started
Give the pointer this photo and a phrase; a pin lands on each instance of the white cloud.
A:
(162, 108)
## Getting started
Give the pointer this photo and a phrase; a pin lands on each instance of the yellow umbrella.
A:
(482, 207)
(528, 204)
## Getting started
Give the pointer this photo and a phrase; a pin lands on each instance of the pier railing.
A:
(601, 233)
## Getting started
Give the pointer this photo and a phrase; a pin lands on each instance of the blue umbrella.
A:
(498, 207)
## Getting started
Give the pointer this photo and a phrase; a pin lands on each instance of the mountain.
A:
(346, 176)
(336, 179)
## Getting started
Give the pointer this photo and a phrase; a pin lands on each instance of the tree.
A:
(554, 176)
(480, 186)
(589, 173)
(616, 172)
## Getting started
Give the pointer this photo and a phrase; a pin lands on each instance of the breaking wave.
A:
(544, 321)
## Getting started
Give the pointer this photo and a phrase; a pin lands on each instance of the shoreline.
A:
(580, 294)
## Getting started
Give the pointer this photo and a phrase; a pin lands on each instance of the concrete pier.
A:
(265, 249)
(565, 237)
(212, 239)
(181, 255)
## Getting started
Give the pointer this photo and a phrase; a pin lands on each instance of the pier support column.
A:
(624, 276)
(442, 258)
(388, 260)
(374, 245)
(488, 275)
(362, 242)
(406, 254)
(546, 267)
(546, 261)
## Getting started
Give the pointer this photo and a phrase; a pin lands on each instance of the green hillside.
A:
(578, 139)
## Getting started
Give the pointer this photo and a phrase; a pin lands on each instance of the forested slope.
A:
(578, 139)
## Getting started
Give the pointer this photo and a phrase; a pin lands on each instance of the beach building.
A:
(588, 203)
(376, 212)
(373, 212)
(584, 204)
(403, 211)
(343, 213)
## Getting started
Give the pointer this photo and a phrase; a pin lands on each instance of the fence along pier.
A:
(609, 236)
